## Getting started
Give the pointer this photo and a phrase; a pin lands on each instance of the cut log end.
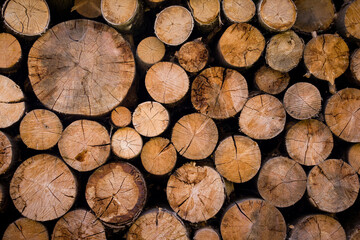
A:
(126, 143)
(354, 157)
(150, 51)
(119, 14)
(271, 81)
(25, 228)
(348, 20)
(206, 234)
(193, 56)
(355, 65)
(87, 8)
(205, 17)
(121, 116)
(10, 53)
(6, 153)
(239, 11)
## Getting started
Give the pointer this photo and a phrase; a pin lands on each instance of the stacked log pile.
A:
(180, 119)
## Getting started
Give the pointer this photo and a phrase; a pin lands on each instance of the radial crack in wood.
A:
(26, 229)
(238, 11)
(126, 143)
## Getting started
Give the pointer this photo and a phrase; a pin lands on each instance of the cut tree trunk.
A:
(24, 19)
(205, 13)
(126, 143)
(302, 101)
(193, 56)
(7, 153)
(322, 226)
(277, 15)
(150, 51)
(173, 25)
(87, 8)
(65, 65)
(121, 116)
(244, 52)
(158, 222)
(309, 142)
(12, 103)
(195, 136)
(158, 156)
(195, 193)
(206, 233)
(219, 93)
(238, 158)
(284, 51)
(355, 65)
(26, 229)
(314, 15)
(10, 53)
(85, 145)
(348, 20)
(150, 119)
(116, 193)
(79, 224)
(342, 114)
(353, 157)
(253, 219)
(43, 188)
(40, 129)
(166, 82)
(282, 182)
(238, 11)
(271, 81)
(333, 186)
(263, 117)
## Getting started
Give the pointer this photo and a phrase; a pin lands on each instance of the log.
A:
(2, 198)
(206, 233)
(40, 129)
(26, 229)
(322, 226)
(158, 156)
(7, 153)
(195, 136)
(252, 219)
(43, 188)
(121, 117)
(302, 101)
(195, 193)
(126, 143)
(116, 193)
(342, 114)
(355, 65)
(277, 15)
(12, 105)
(353, 157)
(173, 25)
(238, 11)
(348, 21)
(166, 82)
(263, 117)
(150, 51)
(314, 15)
(282, 182)
(271, 81)
(10, 53)
(87, 8)
(332, 186)
(309, 142)
(284, 51)
(79, 224)
(150, 119)
(25, 20)
(67, 63)
(85, 145)
(158, 223)
(219, 93)
(238, 158)
(244, 52)
(193, 56)
(206, 18)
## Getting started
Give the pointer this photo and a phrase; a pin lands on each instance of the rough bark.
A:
(10, 53)
(126, 143)
(353, 157)
(206, 233)
(271, 81)
(121, 116)
(238, 11)
(193, 56)
(87, 8)
(7, 154)
(26, 229)
(150, 51)
(348, 20)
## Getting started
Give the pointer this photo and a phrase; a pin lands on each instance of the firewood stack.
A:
(180, 119)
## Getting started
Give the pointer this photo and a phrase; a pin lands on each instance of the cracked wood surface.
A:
(193, 56)
(238, 11)
(85, 145)
(26, 229)
(166, 82)
(355, 65)
(348, 20)
(247, 48)
(158, 156)
(119, 13)
(87, 8)
(173, 25)
(219, 93)
(26, 17)
(205, 12)
(195, 136)
(282, 182)
(253, 219)
(271, 81)
(10, 53)
(238, 158)
(158, 223)
(342, 114)
(121, 116)
(116, 192)
(126, 143)
(195, 193)
(40, 129)
(302, 101)
(263, 117)
(6, 153)
(309, 142)
(321, 226)
(332, 186)
(79, 224)
(81, 67)
(12, 102)
(206, 233)
(43, 188)
(353, 157)
(150, 51)
(150, 119)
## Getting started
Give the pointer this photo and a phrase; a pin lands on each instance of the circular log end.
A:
(6, 153)
(119, 13)
(25, 228)
(121, 116)
(271, 81)
(150, 50)
(205, 12)
(193, 56)
(206, 233)
(354, 157)
(239, 11)
(126, 143)
(10, 52)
